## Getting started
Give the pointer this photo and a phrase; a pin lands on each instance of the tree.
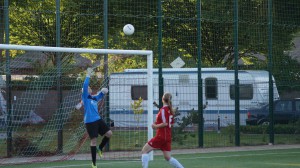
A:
(34, 23)
(217, 29)
(2, 27)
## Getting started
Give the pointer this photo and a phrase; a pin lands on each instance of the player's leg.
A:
(172, 161)
(93, 151)
(105, 139)
(166, 149)
(145, 156)
(106, 133)
(92, 130)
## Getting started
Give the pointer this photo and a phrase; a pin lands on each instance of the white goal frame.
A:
(147, 53)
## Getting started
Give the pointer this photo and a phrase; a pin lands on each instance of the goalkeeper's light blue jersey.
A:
(90, 103)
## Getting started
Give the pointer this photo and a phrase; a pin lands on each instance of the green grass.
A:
(134, 140)
(287, 158)
(125, 140)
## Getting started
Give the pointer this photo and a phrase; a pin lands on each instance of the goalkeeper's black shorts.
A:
(96, 128)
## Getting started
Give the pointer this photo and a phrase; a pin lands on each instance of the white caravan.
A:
(218, 92)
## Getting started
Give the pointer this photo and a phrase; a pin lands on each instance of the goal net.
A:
(40, 87)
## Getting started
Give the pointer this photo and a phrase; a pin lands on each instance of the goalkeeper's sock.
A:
(145, 160)
(103, 143)
(93, 152)
(175, 163)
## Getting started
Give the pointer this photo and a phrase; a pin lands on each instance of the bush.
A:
(253, 129)
(178, 133)
(23, 147)
(278, 129)
(230, 131)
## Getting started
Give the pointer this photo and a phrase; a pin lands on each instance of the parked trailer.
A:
(218, 93)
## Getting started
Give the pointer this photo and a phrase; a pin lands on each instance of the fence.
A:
(235, 35)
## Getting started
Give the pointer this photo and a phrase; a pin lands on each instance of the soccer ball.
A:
(128, 29)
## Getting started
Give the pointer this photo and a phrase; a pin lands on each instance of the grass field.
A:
(275, 158)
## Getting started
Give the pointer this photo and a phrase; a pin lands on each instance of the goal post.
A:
(149, 80)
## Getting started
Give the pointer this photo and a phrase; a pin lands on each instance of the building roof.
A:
(31, 59)
(28, 60)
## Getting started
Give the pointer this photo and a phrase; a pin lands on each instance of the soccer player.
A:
(162, 139)
(93, 121)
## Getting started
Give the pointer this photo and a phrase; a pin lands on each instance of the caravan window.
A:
(246, 92)
(138, 91)
(184, 79)
(211, 88)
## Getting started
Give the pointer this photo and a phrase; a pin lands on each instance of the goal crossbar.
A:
(74, 50)
(147, 53)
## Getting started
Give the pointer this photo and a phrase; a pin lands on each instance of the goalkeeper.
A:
(93, 121)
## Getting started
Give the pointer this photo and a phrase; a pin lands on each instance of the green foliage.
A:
(292, 128)
(34, 23)
(253, 129)
(42, 28)
(230, 132)
(137, 109)
(287, 75)
(118, 64)
(178, 134)
(185, 126)
(285, 129)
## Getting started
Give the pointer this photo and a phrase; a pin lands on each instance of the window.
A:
(297, 106)
(138, 91)
(283, 106)
(211, 88)
(184, 79)
(246, 92)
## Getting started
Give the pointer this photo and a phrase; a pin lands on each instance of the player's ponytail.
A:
(171, 108)
(168, 99)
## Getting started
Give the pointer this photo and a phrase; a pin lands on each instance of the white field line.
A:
(242, 155)
(287, 164)
(181, 158)
(79, 165)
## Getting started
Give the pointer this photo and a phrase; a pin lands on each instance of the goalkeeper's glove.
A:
(78, 106)
(89, 72)
(104, 90)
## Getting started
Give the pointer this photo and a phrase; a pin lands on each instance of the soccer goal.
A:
(39, 121)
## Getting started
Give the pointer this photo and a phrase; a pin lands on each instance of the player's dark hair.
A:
(168, 99)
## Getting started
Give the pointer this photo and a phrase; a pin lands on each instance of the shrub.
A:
(278, 129)
(23, 147)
